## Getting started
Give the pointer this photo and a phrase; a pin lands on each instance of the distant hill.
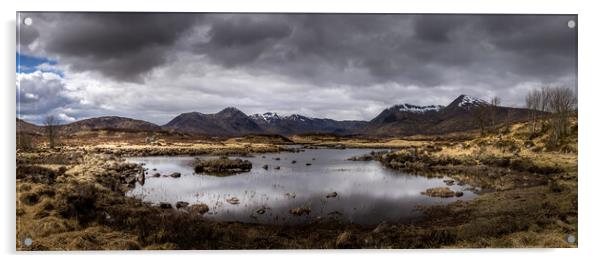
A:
(26, 127)
(228, 122)
(108, 123)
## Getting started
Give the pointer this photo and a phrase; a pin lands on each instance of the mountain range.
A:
(398, 120)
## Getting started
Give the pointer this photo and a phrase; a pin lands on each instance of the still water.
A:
(367, 192)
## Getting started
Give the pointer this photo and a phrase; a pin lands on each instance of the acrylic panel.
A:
(177, 131)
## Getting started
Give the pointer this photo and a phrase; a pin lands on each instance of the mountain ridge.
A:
(397, 120)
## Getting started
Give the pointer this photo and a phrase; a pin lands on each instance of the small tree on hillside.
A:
(533, 102)
(493, 108)
(480, 114)
(50, 126)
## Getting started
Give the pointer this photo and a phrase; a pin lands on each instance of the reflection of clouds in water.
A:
(367, 192)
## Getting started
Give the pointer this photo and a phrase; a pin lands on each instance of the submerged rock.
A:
(265, 167)
(449, 182)
(175, 175)
(293, 161)
(156, 175)
(261, 211)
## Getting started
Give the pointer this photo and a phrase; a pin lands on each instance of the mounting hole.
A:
(28, 21)
(27, 241)
(571, 239)
(572, 24)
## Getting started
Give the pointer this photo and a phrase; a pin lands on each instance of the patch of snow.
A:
(470, 101)
(418, 109)
(268, 117)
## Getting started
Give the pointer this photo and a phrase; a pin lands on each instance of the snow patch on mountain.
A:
(268, 117)
(470, 101)
(417, 109)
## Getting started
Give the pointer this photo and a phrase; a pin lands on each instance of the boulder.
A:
(163, 205)
(175, 175)
(181, 204)
(332, 195)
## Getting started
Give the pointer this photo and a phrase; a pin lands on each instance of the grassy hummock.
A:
(222, 166)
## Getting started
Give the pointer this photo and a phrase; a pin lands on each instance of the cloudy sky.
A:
(155, 66)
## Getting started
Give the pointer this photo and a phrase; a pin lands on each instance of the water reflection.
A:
(367, 192)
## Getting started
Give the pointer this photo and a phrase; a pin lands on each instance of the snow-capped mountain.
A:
(297, 124)
(465, 101)
(459, 115)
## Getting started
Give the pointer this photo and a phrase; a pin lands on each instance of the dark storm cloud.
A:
(240, 40)
(409, 49)
(120, 45)
(319, 48)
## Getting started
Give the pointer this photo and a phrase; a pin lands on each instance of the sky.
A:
(154, 66)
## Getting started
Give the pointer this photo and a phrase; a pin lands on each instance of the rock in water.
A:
(332, 195)
(233, 201)
(175, 175)
(300, 211)
(442, 192)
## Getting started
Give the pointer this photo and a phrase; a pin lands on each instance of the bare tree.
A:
(480, 115)
(562, 103)
(533, 102)
(51, 130)
(493, 108)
